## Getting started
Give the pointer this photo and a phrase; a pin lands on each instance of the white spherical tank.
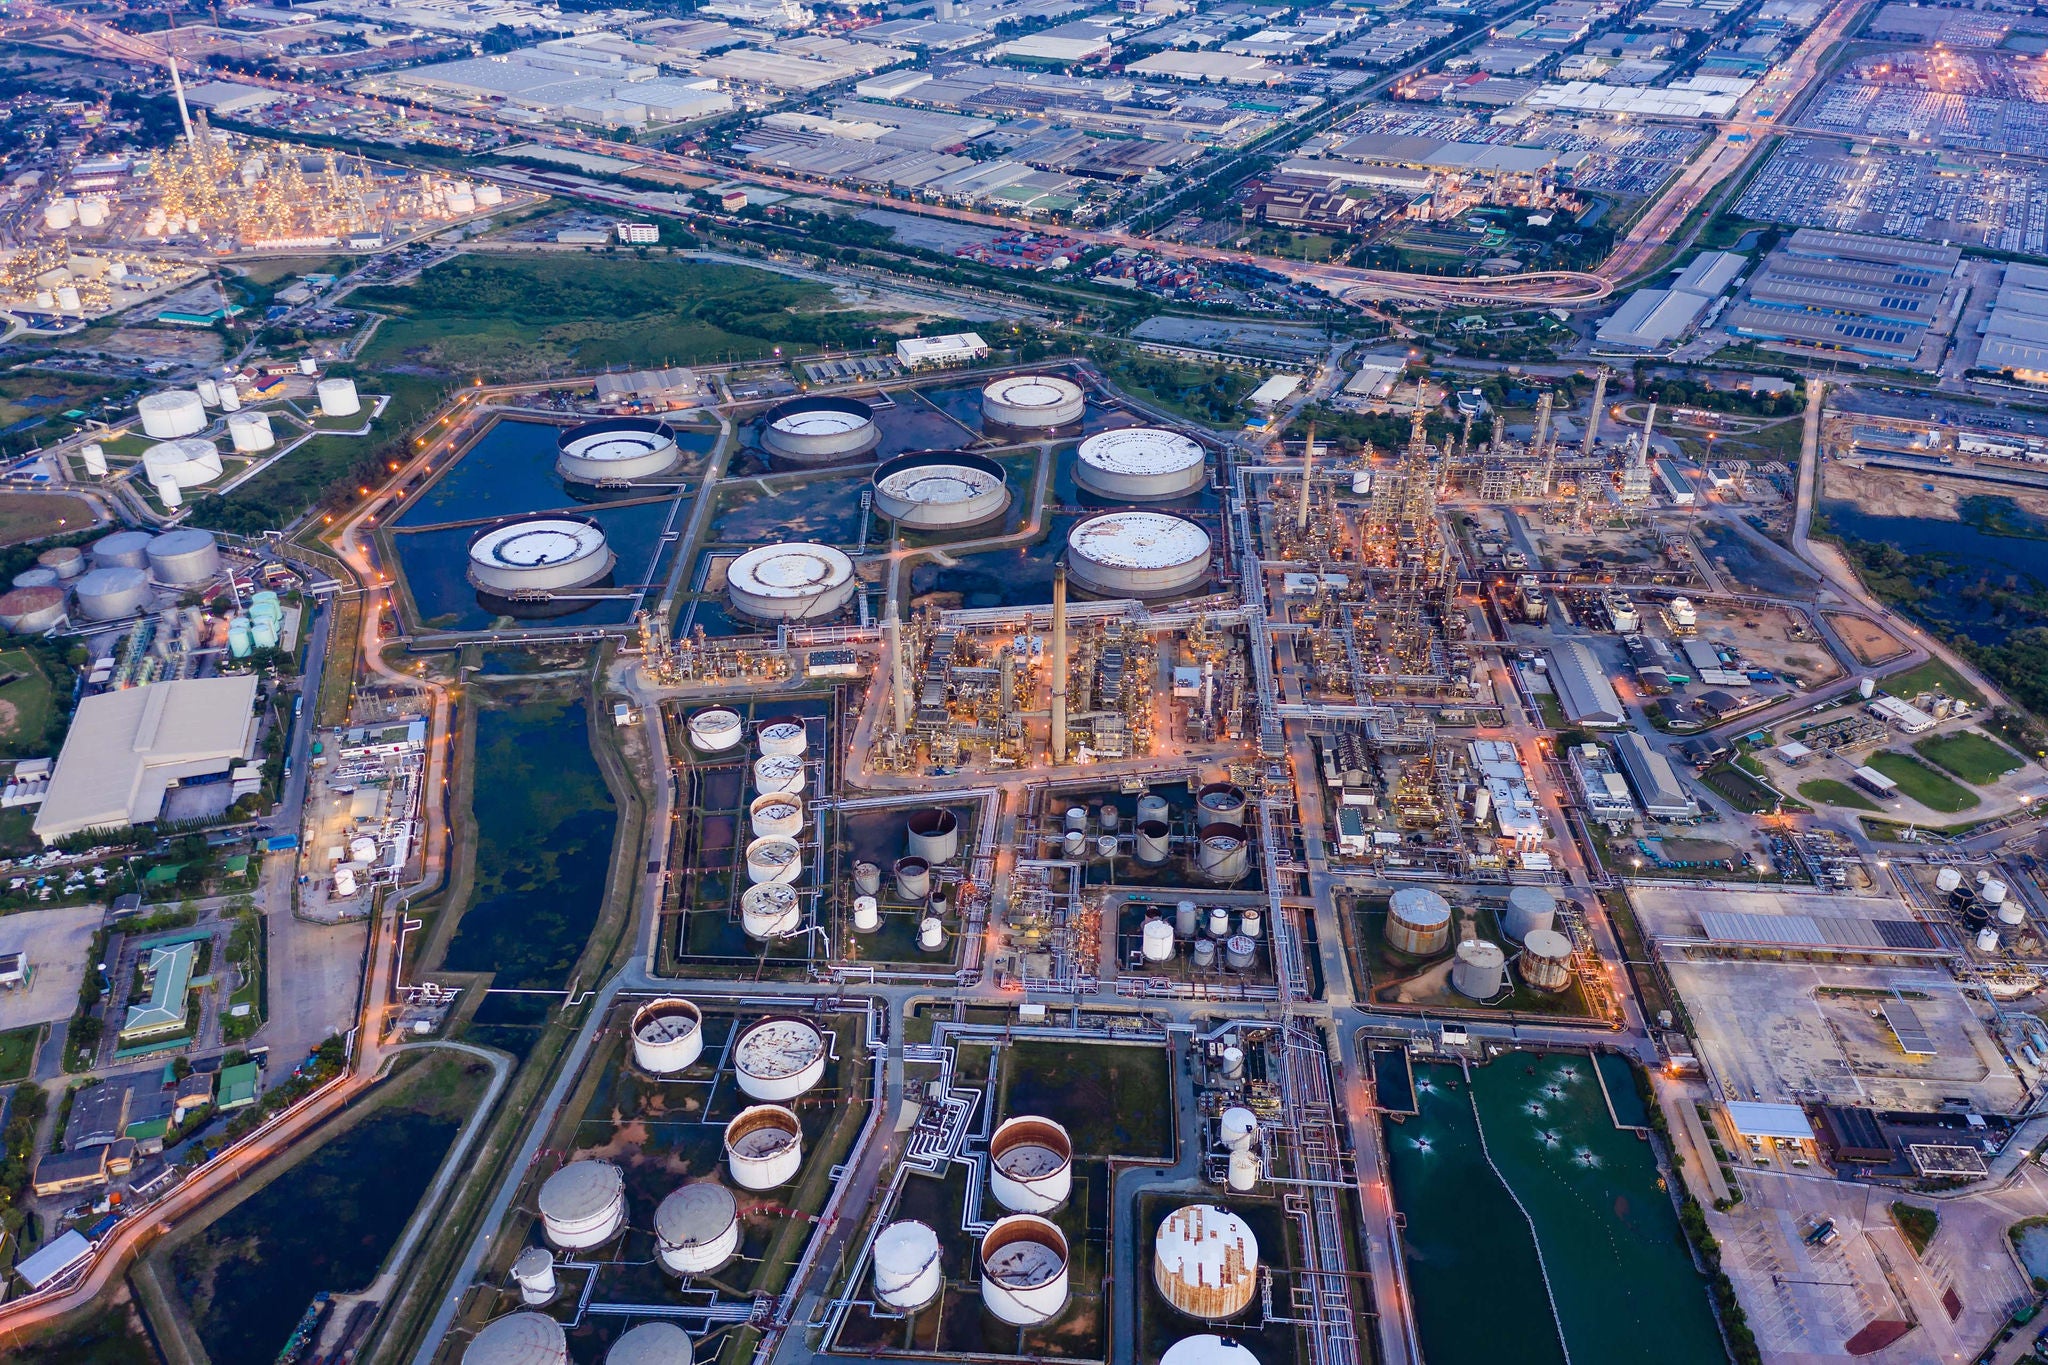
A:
(779, 774)
(533, 1270)
(175, 412)
(716, 729)
(651, 1343)
(111, 593)
(184, 557)
(1139, 464)
(668, 1036)
(583, 1205)
(538, 555)
(250, 432)
(1155, 941)
(123, 549)
(783, 737)
(188, 462)
(1947, 880)
(779, 1058)
(1138, 554)
(1529, 908)
(697, 1228)
(1476, 970)
(776, 815)
(1205, 1262)
(940, 490)
(770, 910)
(32, 610)
(616, 449)
(908, 1269)
(1030, 1164)
(338, 397)
(817, 430)
(1547, 960)
(1024, 1270)
(1418, 921)
(519, 1339)
(933, 835)
(1033, 401)
(790, 582)
(764, 1147)
(1207, 1349)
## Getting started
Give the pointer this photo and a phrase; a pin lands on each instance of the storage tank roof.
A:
(1204, 1245)
(819, 422)
(1480, 953)
(1207, 1349)
(696, 1215)
(938, 483)
(906, 1248)
(538, 542)
(667, 1021)
(651, 1343)
(1547, 943)
(615, 445)
(521, 1339)
(775, 1048)
(580, 1190)
(1532, 898)
(23, 601)
(1420, 906)
(1033, 391)
(1141, 450)
(789, 570)
(1138, 540)
(184, 540)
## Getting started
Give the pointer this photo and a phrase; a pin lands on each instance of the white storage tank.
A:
(1140, 464)
(1024, 1270)
(769, 911)
(1547, 960)
(651, 1343)
(583, 1205)
(250, 432)
(779, 774)
(1529, 908)
(1138, 554)
(1947, 880)
(59, 214)
(774, 860)
(1251, 924)
(913, 878)
(716, 729)
(790, 582)
(668, 1035)
(1156, 941)
(1207, 1349)
(1153, 844)
(188, 462)
(616, 449)
(1033, 401)
(32, 610)
(519, 1339)
(697, 1228)
(1237, 1128)
(783, 737)
(111, 593)
(170, 494)
(818, 430)
(1220, 853)
(533, 1270)
(537, 555)
(940, 490)
(1241, 1173)
(931, 933)
(338, 397)
(209, 392)
(1987, 940)
(38, 577)
(867, 914)
(1418, 921)
(122, 549)
(1219, 921)
(184, 557)
(1476, 970)
(230, 397)
(764, 1147)
(908, 1269)
(95, 456)
(1205, 1262)
(1221, 803)
(1239, 953)
(776, 815)
(66, 561)
(1992, 892)
(934, 835)
(779, 1058)
(1030, 1164)
(173, 413)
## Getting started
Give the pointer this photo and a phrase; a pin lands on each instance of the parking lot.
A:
(57, 943)
(1819, 183)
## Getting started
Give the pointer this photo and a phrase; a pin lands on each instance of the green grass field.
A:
(1922, 783)
(1934, 675)
(18, 1052)
(1828, 792)
(26, 703)
(1971, 755)
(31, 516)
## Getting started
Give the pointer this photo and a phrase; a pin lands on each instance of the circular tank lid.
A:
(170, 400)
(182, 541)
(1533, 899)
(1207, 1349)
(652, 1343)
(775, 806)
(60, 556)
(775, 850)
(580, 1190)
(1480, 953)
(775, 1048)
(768, 898)
(789, 570)
(615, 443)
(1548, 943)
(121, 542)
(24, 601)
(904, 1249)
(1194, 1243)
(521, 1339)
(1033, 391)
(762, 1131)
(819, 422)
(715, 723)
(111, 579)
(938, 483)
(696, 1215)
(1419, 906)
(531, 1262)
(537, 543)
(1141, 450)
(1023, 1251)
(1138, 540)
(1238, 1119)
(665, 1021)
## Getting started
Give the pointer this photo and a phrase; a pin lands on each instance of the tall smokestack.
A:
(1059, 664)
(1308, 464)
(1599, 406)
(1542, 424)
(178, 88)
(1649, 421)
(899, 673)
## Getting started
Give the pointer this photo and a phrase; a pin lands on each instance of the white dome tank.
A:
(716, 729)
(338, 398)
(175, 412)
(1241, 1173)
(651, 1343)
(188, 462)
(1207, 1349)
(250, 432)
(95, 456)
(1547, 960)
(616, 449)
(668, 1036)
(1138, 554)
(1140, 464)
(790, 582)
(770, 911)
(1987, 940)
(1155, 941)
(1205, 1262)
(32, 610)
(533, 1270)
(779, 1058)
(1947, 880)
(776, 815)
(1529, 908)
(933, 835)
(764, 1147)
(583, 1205)
(123, 549)
(1030, 1164)
(774, 860)
(1024, 1270)
(816, 430)
(538, 555)
(1477, 970)
(519, 1339)
(184, 557)
(111, 593)
(908, 1270)
(1418, 921)
(783, 737)
(697, 1228)
(1033, 401)
(940, 490)
(1237, 1128)
(779, 774)
(867, 914)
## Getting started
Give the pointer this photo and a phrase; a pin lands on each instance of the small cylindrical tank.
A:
(1108, 818)
(1239, 953)
(783, 737)
(1237, 1128)
(913, 879)
(122, 549)
(697, 1228)
(1992, 892)
(1156, 940)
(230, 397)
(95, 456)
(1233, 1063)
(776, 815)
(1418, 921)
(533, 1270)
(1243, 1172)
(1220, 853)
(908, 1269)
(867, 914)
(1024, 1270)
(668, 1035)
(1152, 844)
(774, 860)
(934, 835)
(1074, 844)
(764, 1147)
(1547, 960)
(1529, 908)
(940, 902)
(209, 392)
(1476, 971)
(1987, 940)
(1077, 818)
(1186, 918)
(338, 397)
(716, 729)
(1105, 846)
(1219, 922)
(1947, 880)
(32, 610)
(37, 577)
(66, 561)
(1031, 1164)
(1221, 803)
(250, 432)
(931, 934)
(867, 879)
(583, 1205)
(1204, 957)
(2012, 913)
(1152, 806)
(1251, 924)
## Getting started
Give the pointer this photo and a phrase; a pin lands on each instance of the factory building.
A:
(1606, 792)
(1838, 291)
(1582, 686)
(931, 353)
(1654, 779)
(2016, 332)
(1652, 319)
(126, 749)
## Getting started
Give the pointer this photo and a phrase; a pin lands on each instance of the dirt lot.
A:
(1771, 638)
(1892, 493)
(1867, 640)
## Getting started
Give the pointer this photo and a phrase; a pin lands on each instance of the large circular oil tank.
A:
(816, 430)
(940, 490)
(167, 416)
(1418, 921)
(779, 774)
(774, 859)
(1139, 464)
(66, 561)
(787, 736)
(538, 555)
(338, 397)
(1529, 908)
(31, 611)
(37, 577)
(184, 557)
(934, 835)
(776, 815)
(615, 449)
(1220, 803)
(1024, 1268)
(1477, 969)
(697, 1228)
(1205, 1262)
(790, 582)
(716, 729)
(1547, 960)
(519, 1339)
(1207, 1349)
(652, 1343)
(1033, 401)
(1138, 554)
(250, 432)
(1030, 1164)
(908, 1269)
(764, 1147)
(668, 1036)
(770, 910)
(112, 593)
(123, 549)
(583, 1204)
(1221, 853)
(779, 1058)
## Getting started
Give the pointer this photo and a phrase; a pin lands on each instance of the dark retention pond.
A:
(1625, 1285)
(510, 470)
(1997, 541)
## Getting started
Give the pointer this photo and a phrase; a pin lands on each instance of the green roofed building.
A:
(237, 1086)
(170, 972)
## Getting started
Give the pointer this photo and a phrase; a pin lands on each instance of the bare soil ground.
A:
(1868, 641)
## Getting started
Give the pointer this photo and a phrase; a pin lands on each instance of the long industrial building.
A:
(1582, 686)
(1654, 779)
(126, 749)
(1652, 319)
(2016, 332)
(1840, 291)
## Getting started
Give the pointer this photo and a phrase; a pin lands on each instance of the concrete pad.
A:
(57, 943)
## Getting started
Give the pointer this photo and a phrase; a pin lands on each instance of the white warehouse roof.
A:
(1754, 1119)
(126, 749)
(1582, 686)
